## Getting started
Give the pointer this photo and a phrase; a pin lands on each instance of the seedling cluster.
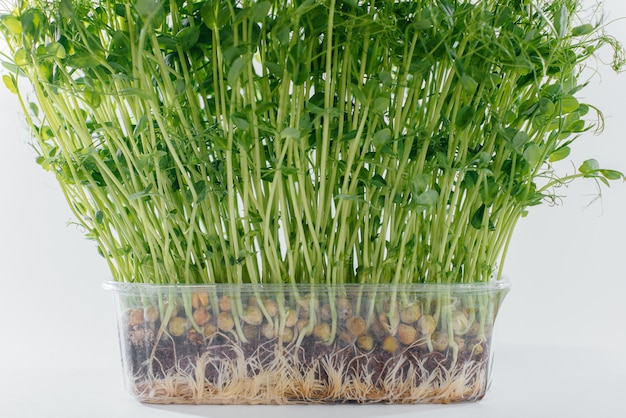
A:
(300, 143)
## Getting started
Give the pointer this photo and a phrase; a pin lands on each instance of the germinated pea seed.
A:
(322, 331)
(302, 327)
(440, 341)
(459, 321)
(253, 315)
(407, 334)
(268, 331)
(136, 317)
(411, 314)
(344, 309)
(288, 335)
(427, 324)
(365, 342)
(199, 299)
(356, 326)
(151, 313)
(460, 342)
(225, 321)
(177, 326)
(291, 317)
(390, 344)
(250, 331)
(201, 316)
(271, 307)
(209, 330)
(195, 301)
(225, 304)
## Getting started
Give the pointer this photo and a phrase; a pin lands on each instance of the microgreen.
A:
(303, 141)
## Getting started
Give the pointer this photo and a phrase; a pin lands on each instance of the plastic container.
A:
(269, 344)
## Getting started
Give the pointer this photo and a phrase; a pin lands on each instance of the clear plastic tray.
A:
(276, 344)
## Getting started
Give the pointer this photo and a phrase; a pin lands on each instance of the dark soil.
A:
(149, 359)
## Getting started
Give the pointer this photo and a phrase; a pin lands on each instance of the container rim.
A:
(502, 284)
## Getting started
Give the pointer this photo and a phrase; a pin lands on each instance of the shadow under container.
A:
(279, 344)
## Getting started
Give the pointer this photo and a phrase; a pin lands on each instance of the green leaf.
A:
(381, 137)
(240, 119)
(522, 65)
(141, 126)
(208, 14)
(33, 23)
(489, 190)
(147, 8)
(552, 91)
(589, 166)
(561, 20)
(568, 104)
(358, 93)
(93, 98)
(12, 23)
(532, 154)
(120, 10)
(9, 82)
(520, 139)
(274, 69)
(56, 50)
(545, 107)
(235, 71)
(576, 126)
(379, 181)
(470, 180)
(504, 16)
(67, 9)
(582, 30)
(188, 37)
(385, 78)
(612, 174)
(468, 83)
(305, 7)
(200, 188)
(381, 104)
(477, 217)
(290, 132)
(99, 216)
(83, 60)
(21, 57)
(559, 154)
(34, 109)
(15, 69)
(464, 117)
(420, 183)
(281, 33)
(259, 11)
(167, 42)
(427, 199)
(423, 24)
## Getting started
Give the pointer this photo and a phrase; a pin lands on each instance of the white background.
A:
(561, 335)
